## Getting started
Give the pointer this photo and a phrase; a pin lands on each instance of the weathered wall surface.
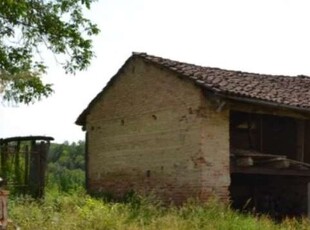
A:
(145, 134)
(215, 150)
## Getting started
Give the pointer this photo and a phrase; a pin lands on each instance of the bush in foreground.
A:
(80, 211)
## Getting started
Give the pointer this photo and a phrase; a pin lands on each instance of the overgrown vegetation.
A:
(80, 211)
(67, 206)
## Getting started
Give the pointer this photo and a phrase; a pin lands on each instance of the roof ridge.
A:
(150, 57)
(280, 89)
(292, 92)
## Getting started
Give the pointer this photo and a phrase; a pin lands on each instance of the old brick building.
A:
(180, 130)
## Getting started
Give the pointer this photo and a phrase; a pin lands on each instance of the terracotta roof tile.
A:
(292, 92)
(286, 90)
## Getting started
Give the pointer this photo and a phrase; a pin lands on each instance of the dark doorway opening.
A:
(275, 195)
(270, 168)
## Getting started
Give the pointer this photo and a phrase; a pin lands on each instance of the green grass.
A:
(80, 211)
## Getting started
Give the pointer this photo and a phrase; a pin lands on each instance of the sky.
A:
(261, 36)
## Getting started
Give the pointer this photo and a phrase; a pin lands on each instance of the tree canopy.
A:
(30, 27)
(66, 166)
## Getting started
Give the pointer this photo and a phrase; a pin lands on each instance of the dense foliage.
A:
(29, 28)
(66, 166)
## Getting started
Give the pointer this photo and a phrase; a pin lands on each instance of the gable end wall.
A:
(145, 134)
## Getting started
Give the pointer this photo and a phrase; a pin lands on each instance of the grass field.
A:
(80, 211)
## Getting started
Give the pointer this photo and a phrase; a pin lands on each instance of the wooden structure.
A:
(270, 162)
(246, 161)
(181, 130)
(23, 162)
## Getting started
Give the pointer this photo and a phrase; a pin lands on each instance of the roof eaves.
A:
(243, 98)
(263, 102)
(211, 88)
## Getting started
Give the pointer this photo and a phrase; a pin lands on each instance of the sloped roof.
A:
(288, 91)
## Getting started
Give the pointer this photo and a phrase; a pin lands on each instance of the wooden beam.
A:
(276, 162)
(269, 171)
(299, 164)
(27, 138)
(244, 162)
(254, 154)
(260, 109)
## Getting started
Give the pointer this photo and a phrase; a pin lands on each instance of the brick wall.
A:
(215, 152)
(154, 132)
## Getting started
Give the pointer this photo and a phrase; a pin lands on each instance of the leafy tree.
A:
(28, 27)
(68, 155)
(66, 165)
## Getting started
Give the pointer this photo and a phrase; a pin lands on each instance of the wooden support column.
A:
(27, 171)
(300, 140)
(308, 194)
(43, 150)
(33, 170)
(38, 163)
(17, 168)
(4, 154)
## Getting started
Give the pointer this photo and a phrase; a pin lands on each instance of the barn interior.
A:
(270, 163)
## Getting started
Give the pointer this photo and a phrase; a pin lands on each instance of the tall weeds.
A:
(80, 211)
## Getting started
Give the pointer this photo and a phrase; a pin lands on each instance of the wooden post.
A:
(17, 168)
(34, 170)
(308, 193)
(4, 153)
(43, 150)
(38, 163)
(26, 175)
(244, 162)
